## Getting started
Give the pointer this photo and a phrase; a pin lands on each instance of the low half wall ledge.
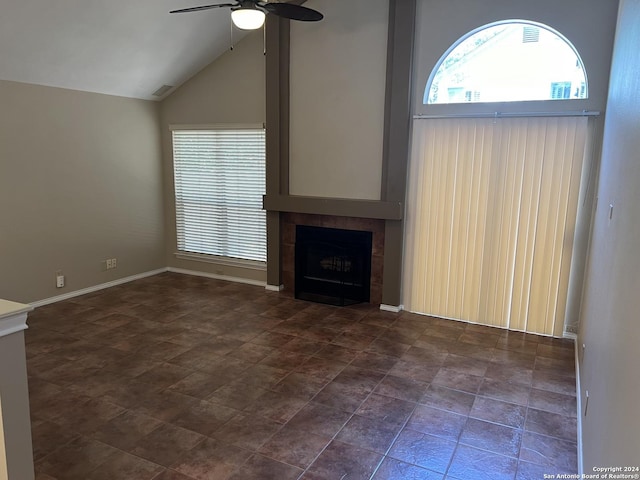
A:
(13, 317)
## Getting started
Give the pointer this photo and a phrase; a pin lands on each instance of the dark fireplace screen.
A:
(332, 266)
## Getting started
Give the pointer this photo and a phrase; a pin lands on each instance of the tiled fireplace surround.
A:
(288, 241)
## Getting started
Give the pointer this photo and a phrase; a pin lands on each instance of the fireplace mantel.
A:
(342, 207)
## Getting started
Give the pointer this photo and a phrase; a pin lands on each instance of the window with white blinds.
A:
(219, 183)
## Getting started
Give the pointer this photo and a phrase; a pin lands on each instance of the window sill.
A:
(228, 261)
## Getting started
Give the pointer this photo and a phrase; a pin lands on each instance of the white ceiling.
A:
(127, 48)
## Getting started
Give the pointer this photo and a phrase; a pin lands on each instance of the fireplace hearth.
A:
(332, 266)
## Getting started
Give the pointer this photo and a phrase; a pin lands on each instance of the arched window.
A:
(508, 61)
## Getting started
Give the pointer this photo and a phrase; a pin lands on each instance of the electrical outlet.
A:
(110, 263)
(59, 279)
(114, 262)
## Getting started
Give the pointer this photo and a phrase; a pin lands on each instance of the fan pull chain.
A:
(264, 39)
(231, 33)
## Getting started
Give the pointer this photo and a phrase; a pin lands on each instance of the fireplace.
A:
(332, 265)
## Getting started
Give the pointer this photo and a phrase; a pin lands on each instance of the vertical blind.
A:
(491, 216)
(219, 183)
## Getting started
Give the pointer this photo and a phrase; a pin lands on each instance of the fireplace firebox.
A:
(332, 266)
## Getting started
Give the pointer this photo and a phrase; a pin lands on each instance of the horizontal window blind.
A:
(219, 183)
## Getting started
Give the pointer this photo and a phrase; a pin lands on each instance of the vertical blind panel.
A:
(219, 184)
(490, 219)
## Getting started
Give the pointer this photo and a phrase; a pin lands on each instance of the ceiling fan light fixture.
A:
(248, 18)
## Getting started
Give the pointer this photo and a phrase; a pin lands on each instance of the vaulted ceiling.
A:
(127, 48)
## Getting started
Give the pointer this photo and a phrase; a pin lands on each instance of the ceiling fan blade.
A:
(204, 7)
(293, 12)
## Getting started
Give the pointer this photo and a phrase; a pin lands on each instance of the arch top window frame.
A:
(491, 88)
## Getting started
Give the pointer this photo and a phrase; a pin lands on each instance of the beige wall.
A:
(338, 73)
(609, 325)
(80, 182)
(229, 90)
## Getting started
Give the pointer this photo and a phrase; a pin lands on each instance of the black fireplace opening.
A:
(332, 266)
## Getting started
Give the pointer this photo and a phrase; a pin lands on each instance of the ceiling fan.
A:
(250, 14)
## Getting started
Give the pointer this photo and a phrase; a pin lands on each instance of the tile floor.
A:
(175, 377)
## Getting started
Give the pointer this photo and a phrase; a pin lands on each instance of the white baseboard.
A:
(217, 277)
(95, 288)
(579, 412)
(274, 288)
(391, 308)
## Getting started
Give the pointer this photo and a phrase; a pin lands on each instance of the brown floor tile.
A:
(392, 469)
(211, 460)
(514, 358)
(47, 436)
(457, 380)
(284, 360)
(262, 468)
(426, 355)
(510, 374)
(125, 430)
(386, 409)
(177, 377)
(236, 395)
(471, 366)
(247, 431)
(427, 451)
(340, 460)
(437, 422)
(204, 417)
(172, 475)
(556, 366)
(76, 459)
(374, 361)
(342, 396)
(164, 375)
(550, 452)
(262, 376)
(531, 471)
(272, 339)
(551, 382)
(470, 463)
(89, 416)
(551, 424)
(299, 385)
(165, 405)
(553, 402)
(321, 368)
(415, 370)
(492, 437)
(353, 341)
(280, 407)
(295, 447)
(166, 444)
(319, 419)
(505, 391)
(385, 346)
(200, 385)
(491, 410)
(367, 433)
(447, 399)
(122, 465)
